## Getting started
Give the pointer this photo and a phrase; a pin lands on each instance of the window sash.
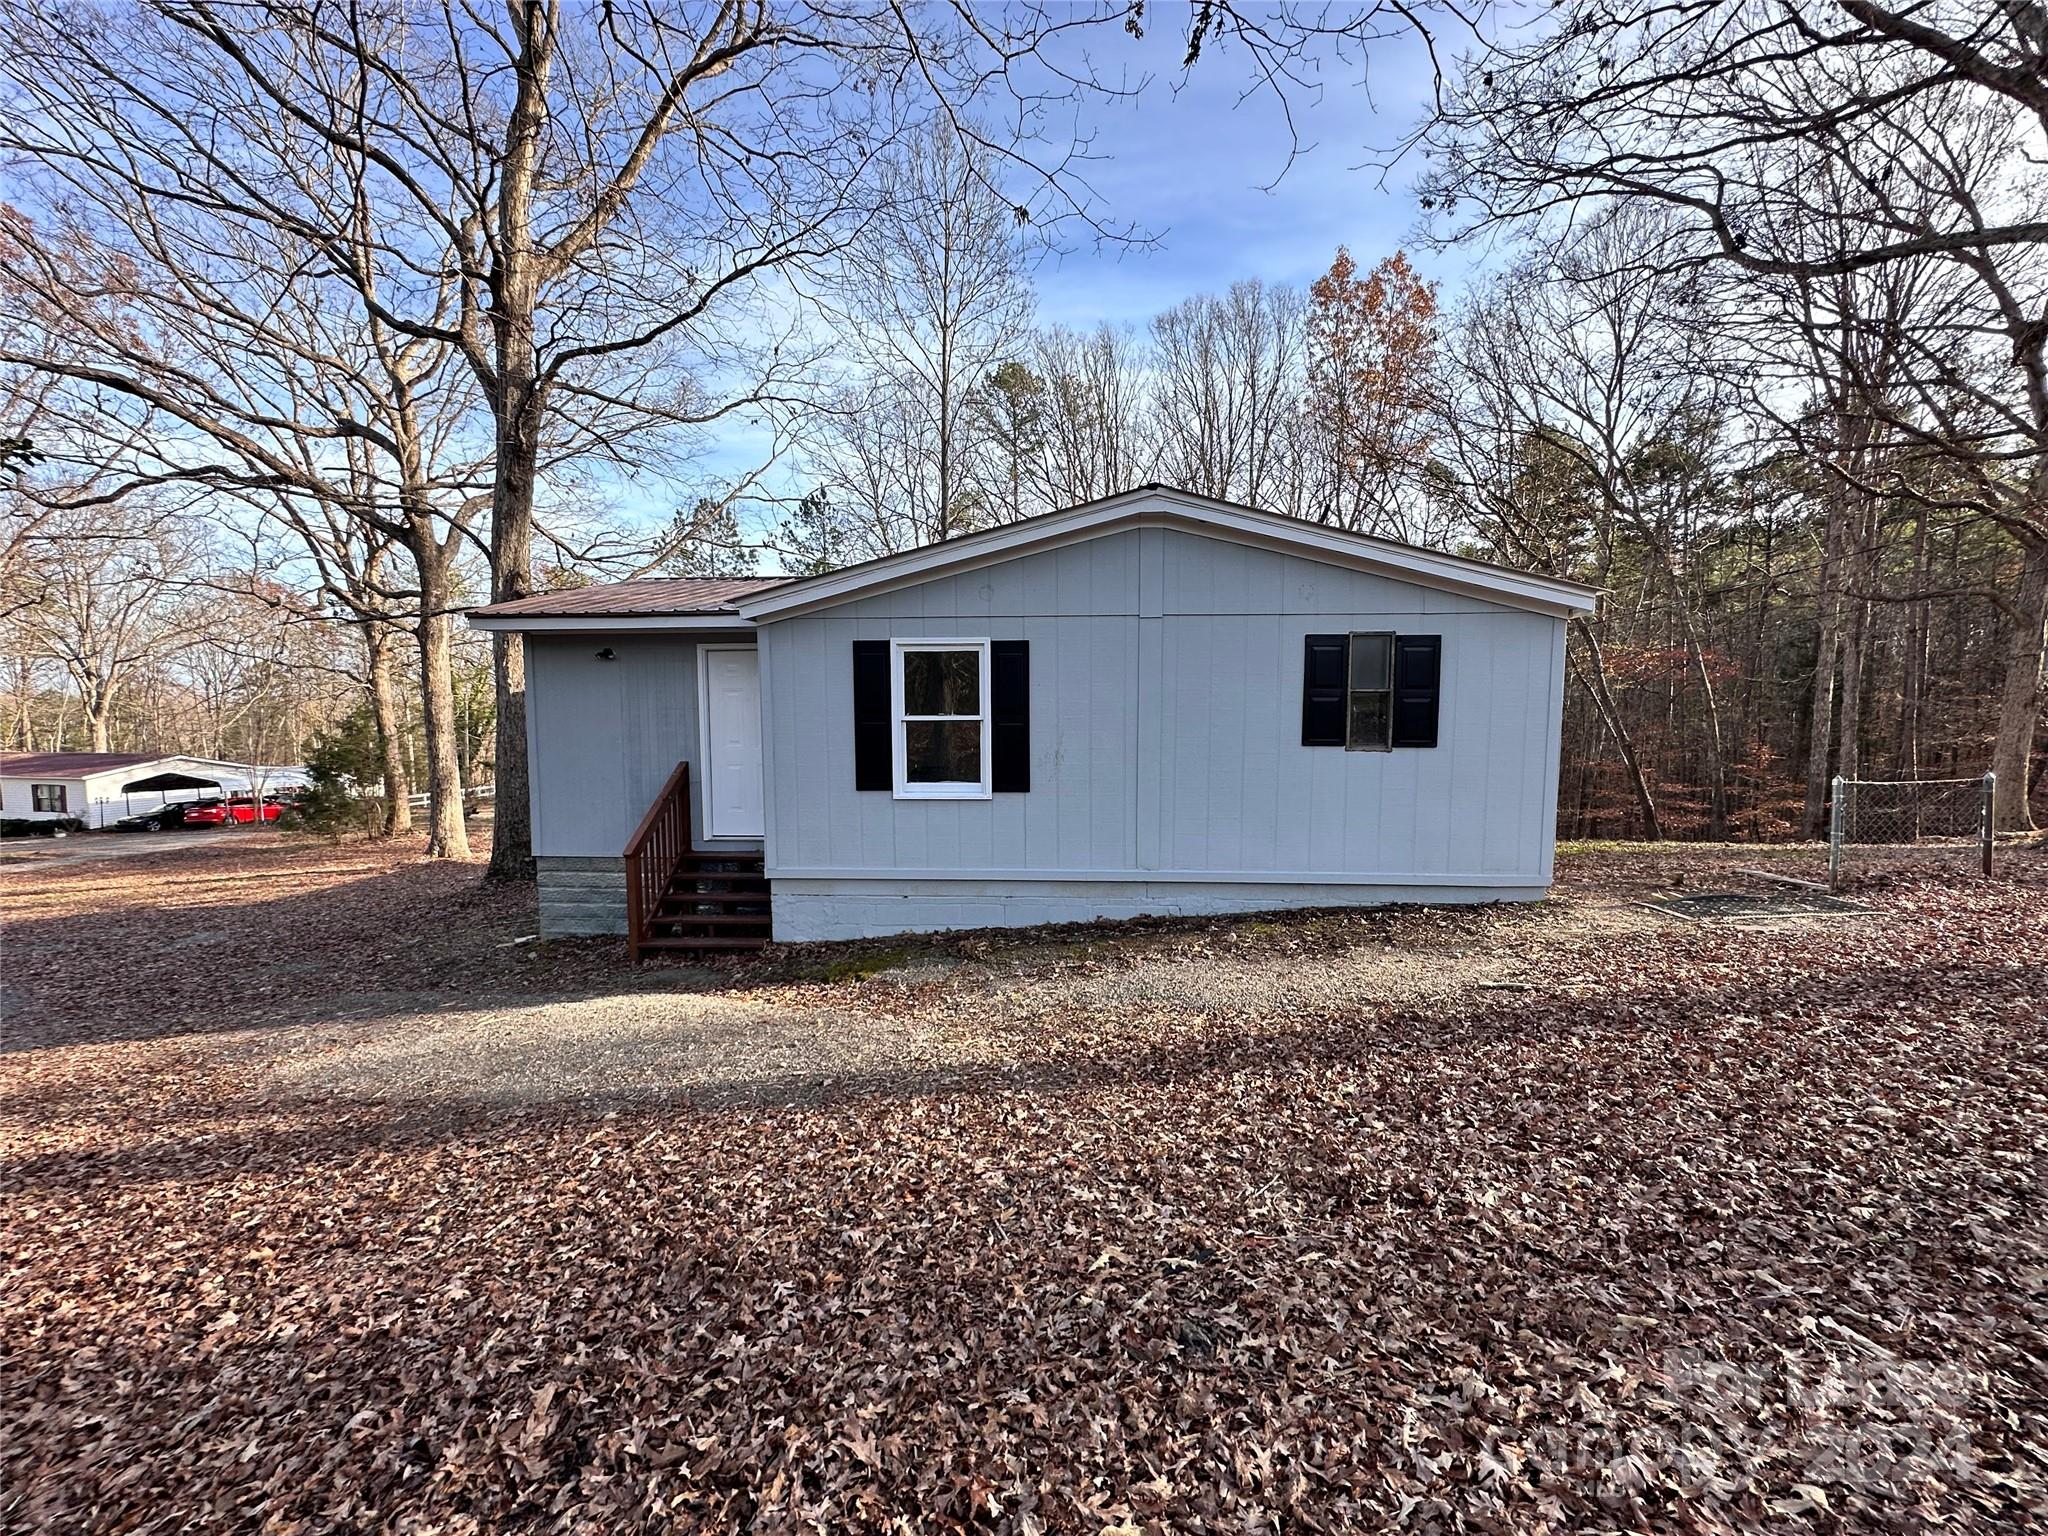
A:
(900, 721)
(49, 799)
(1361, 684)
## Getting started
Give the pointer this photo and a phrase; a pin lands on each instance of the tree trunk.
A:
(1848, 745)
(1861, 576)
(1820, 725)
(2020, 701)
(1595, 679)
(1913, 667)
(517, 400)
(512, 577)
(447, 838)
(98, 698)
(1717, 755)
(384, 714)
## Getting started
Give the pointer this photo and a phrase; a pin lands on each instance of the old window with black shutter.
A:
(1370, 690)
(48, 797)
(1369, 694)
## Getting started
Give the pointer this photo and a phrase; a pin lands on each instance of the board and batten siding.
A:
(1165, 745)
(602, 738)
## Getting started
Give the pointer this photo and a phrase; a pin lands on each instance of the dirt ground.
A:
(335, 1202)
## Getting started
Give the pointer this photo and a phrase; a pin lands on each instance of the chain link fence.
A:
(1884, 822)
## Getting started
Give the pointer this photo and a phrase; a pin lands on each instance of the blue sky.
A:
(1203, 170)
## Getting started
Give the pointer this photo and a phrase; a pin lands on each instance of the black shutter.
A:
(1009, 716)
(1322, 689)
(1418, 672)
(873, 760)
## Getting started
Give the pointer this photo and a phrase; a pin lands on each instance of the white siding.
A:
(17, 798)
(1165, 730)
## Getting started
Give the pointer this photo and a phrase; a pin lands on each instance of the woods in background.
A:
(1765, 361)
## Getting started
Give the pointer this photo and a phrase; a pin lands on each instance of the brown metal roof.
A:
(69, 765)
(648, 597)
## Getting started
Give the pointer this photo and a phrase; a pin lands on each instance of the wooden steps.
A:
(680, 897)
(714, 902)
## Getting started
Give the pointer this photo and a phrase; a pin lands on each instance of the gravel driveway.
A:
(24, 853)
(928, 1014)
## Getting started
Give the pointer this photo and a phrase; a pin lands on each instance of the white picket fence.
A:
(472, 795)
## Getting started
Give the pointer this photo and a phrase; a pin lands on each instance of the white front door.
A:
(732, 741)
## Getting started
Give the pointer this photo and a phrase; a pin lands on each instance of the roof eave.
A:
(603, 623)
(1554, 596)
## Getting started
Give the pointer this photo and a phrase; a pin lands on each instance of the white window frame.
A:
(898, 721)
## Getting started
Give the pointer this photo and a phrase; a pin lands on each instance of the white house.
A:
(99, 788)
(1153, 703)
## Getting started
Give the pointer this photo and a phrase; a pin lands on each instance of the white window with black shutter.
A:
(942, 719)
(1371, 690)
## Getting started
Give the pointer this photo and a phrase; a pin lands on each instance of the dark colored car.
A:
(177, 814)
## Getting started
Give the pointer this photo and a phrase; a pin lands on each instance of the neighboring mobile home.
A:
(1153, 703)
(99, 788)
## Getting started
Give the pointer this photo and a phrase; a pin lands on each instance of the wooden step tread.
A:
(759, 941)
(723, 919)
(713, 899)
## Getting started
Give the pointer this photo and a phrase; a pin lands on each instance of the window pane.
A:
(1372, 661)
(1371, 720)
(938, 752)
(942, 682)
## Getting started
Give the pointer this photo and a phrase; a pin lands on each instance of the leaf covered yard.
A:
(1501, 1220)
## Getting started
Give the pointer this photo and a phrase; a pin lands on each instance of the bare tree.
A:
(213, 362)
(928, 298)
(1226, 384)
(1935, 394)
(108, 585)
(1801, 148)
(558, 188)
(1532, 468)
(1693, 104)
(1091, 444)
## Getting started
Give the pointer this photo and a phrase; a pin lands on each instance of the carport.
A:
(164, 783)
(172, 787)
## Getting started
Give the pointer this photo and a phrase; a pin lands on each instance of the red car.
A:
(238, 809)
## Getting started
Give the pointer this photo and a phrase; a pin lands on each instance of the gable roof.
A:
(69, 765)
(1156, 506)
(85, 765)
(647, 597)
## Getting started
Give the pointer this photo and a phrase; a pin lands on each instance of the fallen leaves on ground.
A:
(1666, 1226)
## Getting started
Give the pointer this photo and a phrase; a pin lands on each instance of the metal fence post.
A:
(1990, 804)
(1835, 838)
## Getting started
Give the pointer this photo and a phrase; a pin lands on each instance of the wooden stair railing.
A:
(679, 899)
(654, 853)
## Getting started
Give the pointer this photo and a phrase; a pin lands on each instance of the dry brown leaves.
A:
(1708, 1229)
